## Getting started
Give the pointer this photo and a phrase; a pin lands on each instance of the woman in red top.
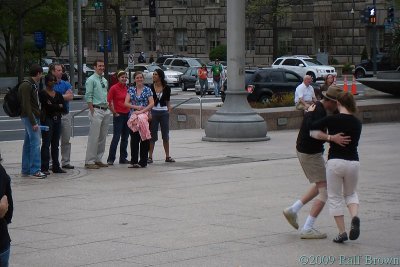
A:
(203, 73)
(116, 98)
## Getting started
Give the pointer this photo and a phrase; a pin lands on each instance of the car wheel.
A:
(264, 99)
(314, 78)
(197, 92)
(359, 74)
(183, 87)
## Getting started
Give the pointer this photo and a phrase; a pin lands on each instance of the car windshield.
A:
(313, 62)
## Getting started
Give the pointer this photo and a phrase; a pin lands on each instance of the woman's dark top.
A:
(341, 123)
(305, 143)
(5, 189)
(51, 105)
(165, 97)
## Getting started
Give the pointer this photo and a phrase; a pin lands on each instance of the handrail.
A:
(201, 107)
(73, 119)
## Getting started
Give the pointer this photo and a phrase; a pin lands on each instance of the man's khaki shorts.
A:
(313, 166)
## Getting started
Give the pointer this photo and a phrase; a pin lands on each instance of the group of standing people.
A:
(46, 119)
(336, 180)
(137, 112)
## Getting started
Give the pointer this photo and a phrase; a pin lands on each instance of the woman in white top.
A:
(160, 113)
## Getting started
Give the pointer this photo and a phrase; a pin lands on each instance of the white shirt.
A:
(305, 92)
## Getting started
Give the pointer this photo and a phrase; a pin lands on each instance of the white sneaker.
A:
(312, 234)
(291, 217)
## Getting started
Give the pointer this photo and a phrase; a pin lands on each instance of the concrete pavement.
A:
(220, 204)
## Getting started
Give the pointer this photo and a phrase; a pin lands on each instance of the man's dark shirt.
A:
(5, 189)
(305, 143)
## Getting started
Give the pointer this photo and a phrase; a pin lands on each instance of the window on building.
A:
(213, 38)
(250, 39)
(181, 3)
(150, 39)
(285, 42)
(212, 2)
(181, 40)
(323, 38)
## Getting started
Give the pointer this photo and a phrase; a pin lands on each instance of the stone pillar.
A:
(236, 121)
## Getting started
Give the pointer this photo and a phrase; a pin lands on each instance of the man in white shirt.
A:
(304, 95)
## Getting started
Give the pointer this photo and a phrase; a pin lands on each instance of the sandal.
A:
(150, 160)
(169, 159)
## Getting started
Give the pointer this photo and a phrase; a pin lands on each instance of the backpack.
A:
(11, 104)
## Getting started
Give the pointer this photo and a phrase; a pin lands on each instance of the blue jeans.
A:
(203, 86)
(159, 117)
(51, 138)
(31, 160)
(4, 258)
(217, 87)
(120, 130)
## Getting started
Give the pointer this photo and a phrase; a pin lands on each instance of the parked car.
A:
(171, 76)
(262, 84)
(181, 63)
(161, 59)
(383, 62)
(304, 65)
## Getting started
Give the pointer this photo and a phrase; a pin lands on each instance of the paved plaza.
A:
(219, 205)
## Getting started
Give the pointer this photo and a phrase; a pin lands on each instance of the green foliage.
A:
(218, 52)
(347, 68)
(52, 18)
(277, 100)
(333, 61)
(364, 53)
(395, 48)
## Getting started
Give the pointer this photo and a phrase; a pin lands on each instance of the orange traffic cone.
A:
(354, 86)
(345, 86)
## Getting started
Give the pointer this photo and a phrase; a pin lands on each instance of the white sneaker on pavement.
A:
(312, 234)
(291, 217)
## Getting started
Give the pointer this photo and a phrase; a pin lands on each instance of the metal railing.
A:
(73, 119)
(201, 107)
(177, 105)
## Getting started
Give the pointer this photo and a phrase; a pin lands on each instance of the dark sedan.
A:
(188, 78)
(262, 84)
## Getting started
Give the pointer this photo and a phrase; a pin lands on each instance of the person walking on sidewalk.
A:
(30, 115)
(160, 114)
(53, 106)
(310, 155)
(342, 167)
(65, 88)
(202, 73)
(140, 100)
(6, 213)
(217, 71)
(116, 101)
(99, 116)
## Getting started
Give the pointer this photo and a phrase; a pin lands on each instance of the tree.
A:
(268, 13)
(52, 18)
(218, 52)
(16, 11)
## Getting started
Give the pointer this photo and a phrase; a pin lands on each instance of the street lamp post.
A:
(352, 40)
(105, 39)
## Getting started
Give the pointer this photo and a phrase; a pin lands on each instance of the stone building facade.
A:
(194, 27)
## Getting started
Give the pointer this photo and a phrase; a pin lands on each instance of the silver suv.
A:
(304, 65)
(181, 63)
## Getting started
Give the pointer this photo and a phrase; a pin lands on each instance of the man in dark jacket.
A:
(6, 212)
(30, 113)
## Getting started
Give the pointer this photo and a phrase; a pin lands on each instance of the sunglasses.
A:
(102, 84)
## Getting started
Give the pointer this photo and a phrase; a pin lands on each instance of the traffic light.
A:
(372, 15)
(126, 46)
(134, 25)
(152, 8)
(390, 15)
